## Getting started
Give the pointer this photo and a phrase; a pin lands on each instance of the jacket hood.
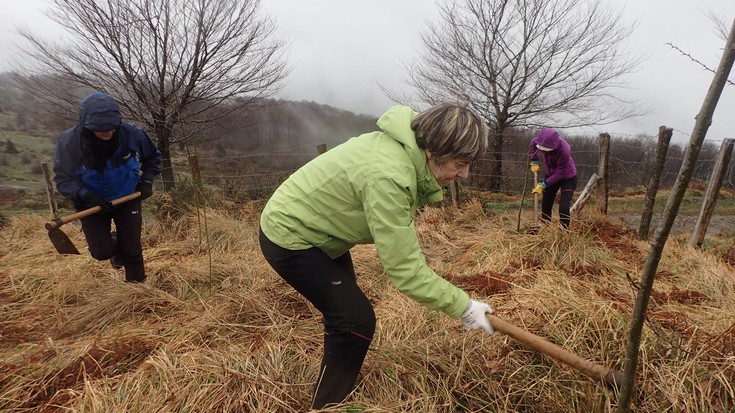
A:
(396, 122)
(99, 112)
(549, 138)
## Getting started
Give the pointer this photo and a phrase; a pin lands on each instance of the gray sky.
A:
(341, 50)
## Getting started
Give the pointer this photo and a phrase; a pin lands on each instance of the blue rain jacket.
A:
(134, 158)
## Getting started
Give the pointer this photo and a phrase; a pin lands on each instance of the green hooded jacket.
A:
(364, 191)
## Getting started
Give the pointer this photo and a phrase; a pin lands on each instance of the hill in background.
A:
(294, 129)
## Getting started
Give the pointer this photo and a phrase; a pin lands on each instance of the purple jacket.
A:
(558, 163)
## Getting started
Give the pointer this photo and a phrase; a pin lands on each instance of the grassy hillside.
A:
(22, 168)
(214, 329)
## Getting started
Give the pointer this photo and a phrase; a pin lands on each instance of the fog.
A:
(342, 51)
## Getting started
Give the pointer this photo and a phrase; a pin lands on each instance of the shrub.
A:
(10, 147)
(172, 205)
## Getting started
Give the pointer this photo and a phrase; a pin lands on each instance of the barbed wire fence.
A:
(255, 176)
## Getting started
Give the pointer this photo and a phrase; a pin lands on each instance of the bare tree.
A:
(526, 63)
(168, 62)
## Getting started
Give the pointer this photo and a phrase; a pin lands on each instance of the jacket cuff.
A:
(459, 306)
(81, 194)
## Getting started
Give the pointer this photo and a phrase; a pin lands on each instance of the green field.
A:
(23, 168)
(23, 171)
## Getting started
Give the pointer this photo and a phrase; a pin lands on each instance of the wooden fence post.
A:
(710, 196)
(664, 137)
(602, 171)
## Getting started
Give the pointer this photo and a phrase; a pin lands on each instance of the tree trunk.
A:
(702, 123)
(497, 167)
(163, 135)
(167, 171)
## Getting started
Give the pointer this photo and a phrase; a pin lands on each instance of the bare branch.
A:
(719, 23)
(557, 63)
(168, 62)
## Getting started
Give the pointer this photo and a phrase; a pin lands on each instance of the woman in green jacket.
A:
(363, 191)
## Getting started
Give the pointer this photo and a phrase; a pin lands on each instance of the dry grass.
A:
(214, 329)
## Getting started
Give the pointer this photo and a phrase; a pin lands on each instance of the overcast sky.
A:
(342, 50)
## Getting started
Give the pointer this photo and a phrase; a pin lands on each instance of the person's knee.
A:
(102, 253)
(130, 250)
(131, 255)
(359, 317)
(365, 324)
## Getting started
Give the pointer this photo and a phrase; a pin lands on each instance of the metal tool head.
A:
(61, 242)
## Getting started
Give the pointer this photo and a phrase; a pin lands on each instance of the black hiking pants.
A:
(127, 246)
(349, 320)
(567, 187)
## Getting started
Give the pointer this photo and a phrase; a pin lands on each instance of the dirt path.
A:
(718, 224)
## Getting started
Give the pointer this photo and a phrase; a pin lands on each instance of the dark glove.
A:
(93, 199)
(145, 188)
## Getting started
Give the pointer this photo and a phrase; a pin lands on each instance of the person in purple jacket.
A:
(561, 173)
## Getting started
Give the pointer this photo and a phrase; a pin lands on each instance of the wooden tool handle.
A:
(50, 191)
(535, 199)
(87, 212)
(613, 378)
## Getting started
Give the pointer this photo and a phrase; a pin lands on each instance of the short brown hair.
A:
(451, 131)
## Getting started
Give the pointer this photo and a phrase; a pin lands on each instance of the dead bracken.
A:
(215, 330)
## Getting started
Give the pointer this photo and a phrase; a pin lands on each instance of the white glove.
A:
(474, 317)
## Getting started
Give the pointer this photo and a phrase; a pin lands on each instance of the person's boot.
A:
(342, 360)
(134, 272)
(116, 260)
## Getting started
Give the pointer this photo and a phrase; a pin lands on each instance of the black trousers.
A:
(349, 320)
(567, 187)
(127, 246)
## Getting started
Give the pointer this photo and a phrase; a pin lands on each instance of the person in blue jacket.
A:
(101, 159)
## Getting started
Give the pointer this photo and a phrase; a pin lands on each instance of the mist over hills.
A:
(271, 125)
